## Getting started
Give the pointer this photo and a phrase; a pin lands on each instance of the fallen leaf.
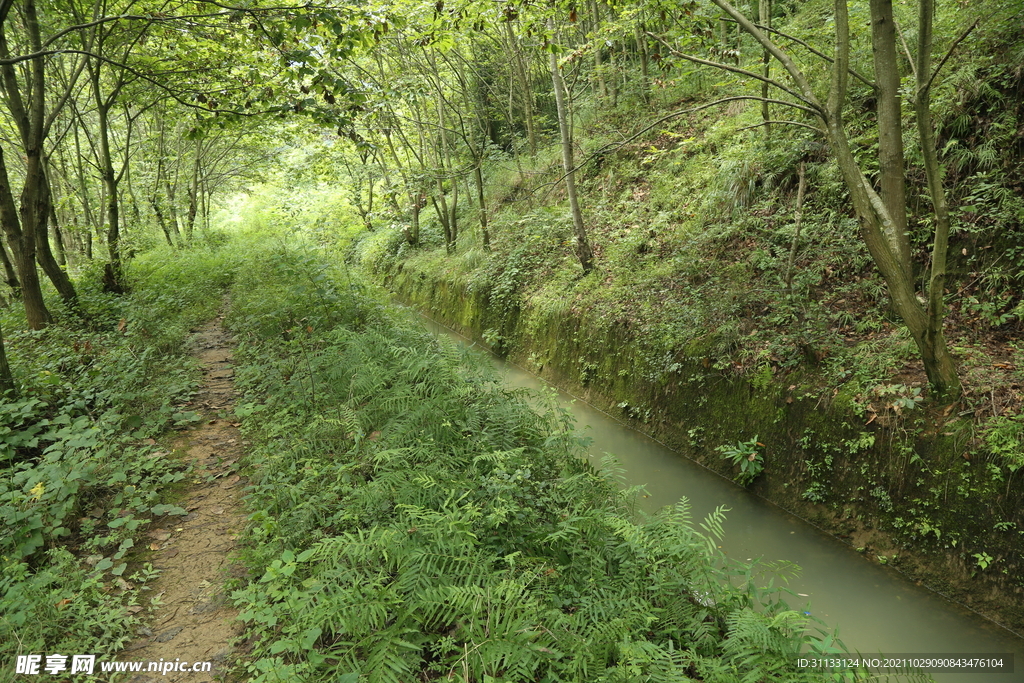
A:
(160, 534)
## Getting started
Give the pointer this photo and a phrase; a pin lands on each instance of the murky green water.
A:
(877, 610)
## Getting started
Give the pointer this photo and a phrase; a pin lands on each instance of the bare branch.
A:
(735, 69)
(808, 47)
(949, 53)
(615, 145)
(906, 50)
(798, 76)
(149, 79)
(791, 123)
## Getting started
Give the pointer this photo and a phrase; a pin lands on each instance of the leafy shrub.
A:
(746, 455)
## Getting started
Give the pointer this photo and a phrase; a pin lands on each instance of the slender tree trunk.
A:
(942, 373)
(645, 75)
(875, 215)
(10, 275)
(798, 219)
(602, 87)
(583, 250)
(8, 389)
(193, 198)
(890, 127)
(412, 235)
(414, 231)
(44, 256)
(521, 74)
(109, 178)
(58, 238)
(479, 176)
(764, 8)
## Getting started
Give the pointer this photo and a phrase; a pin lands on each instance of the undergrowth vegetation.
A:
(412, 519)
(82, 473)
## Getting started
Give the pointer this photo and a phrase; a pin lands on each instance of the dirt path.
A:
(195, 622)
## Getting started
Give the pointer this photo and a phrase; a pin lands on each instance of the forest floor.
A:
(194, 622)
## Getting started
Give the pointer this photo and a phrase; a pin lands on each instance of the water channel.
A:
(876, 609)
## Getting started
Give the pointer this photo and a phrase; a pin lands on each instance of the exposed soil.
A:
(195, 623)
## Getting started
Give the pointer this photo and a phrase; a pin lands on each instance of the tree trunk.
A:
(878, 227)
(23, 248)
(941, 370)
(479, 176)
(8, 389)
(58, 238)
(10, 274)
(798, 219)
(522, 77)
(583, 251)
(890, 128)
(645, 75)
(109, 179)
(602, 88)
(44, 256)
(764, 9)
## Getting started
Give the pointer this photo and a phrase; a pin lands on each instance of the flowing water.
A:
(877, 610)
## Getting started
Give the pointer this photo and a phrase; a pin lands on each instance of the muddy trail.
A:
(195, 622)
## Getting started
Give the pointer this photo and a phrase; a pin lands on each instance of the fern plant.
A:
(421, 522)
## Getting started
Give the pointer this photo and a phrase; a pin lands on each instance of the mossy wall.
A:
(899, 488)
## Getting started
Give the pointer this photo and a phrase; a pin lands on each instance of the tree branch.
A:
(615, 145)
(906, 50)
(735, 69)
(794, 72)
(143, 76)
(791, 123)
(810, 49)
(949, 53)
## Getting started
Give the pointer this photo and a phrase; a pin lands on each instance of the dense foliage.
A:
(82, 475)
(411, 518)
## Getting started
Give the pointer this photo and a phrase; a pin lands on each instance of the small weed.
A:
(747, 456)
